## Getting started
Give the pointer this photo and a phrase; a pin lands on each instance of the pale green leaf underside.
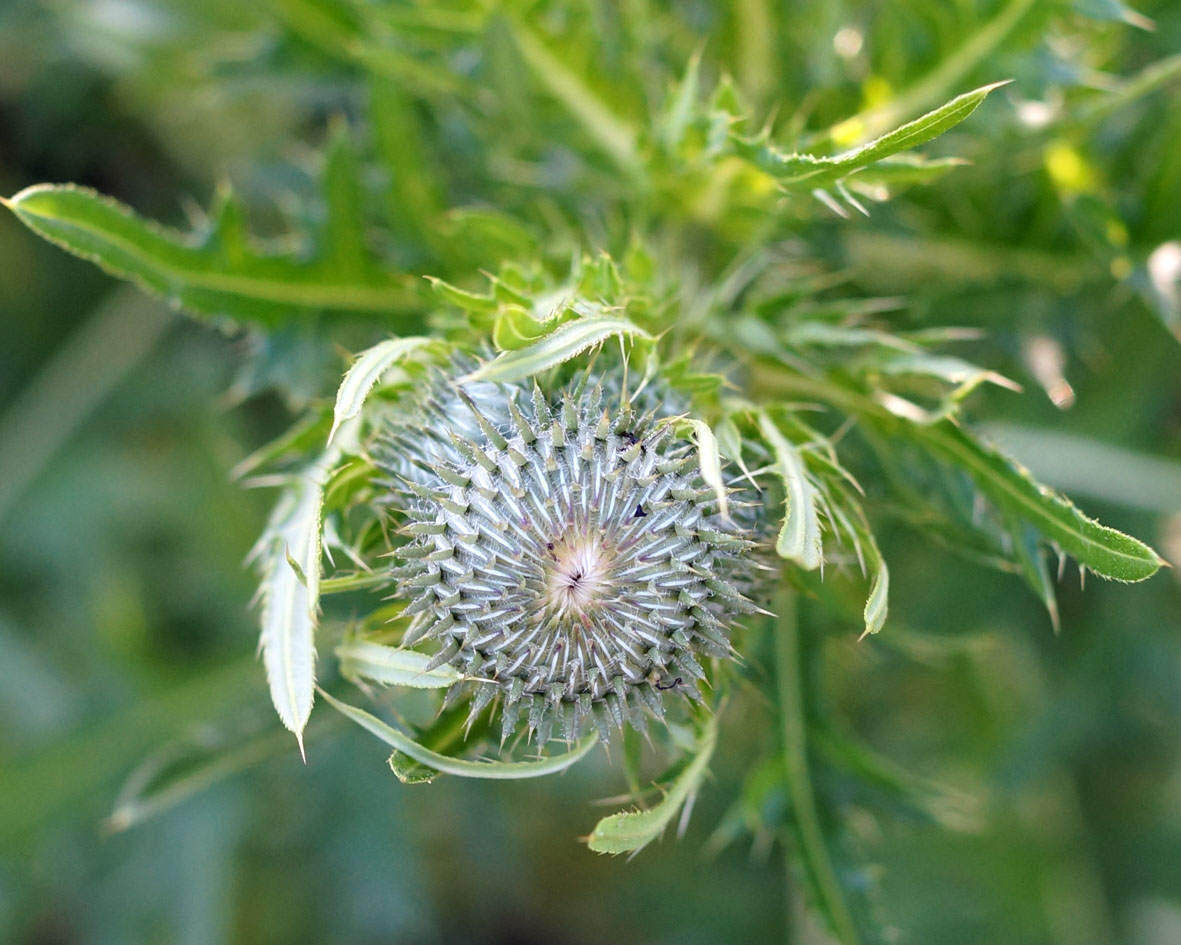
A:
(219, 275)
(630, 831)
(877, 604)
(559, 346)
(800, 538)
(711, 462)
(393, 666)
(366, 371)
(289, 604)
(494, 770)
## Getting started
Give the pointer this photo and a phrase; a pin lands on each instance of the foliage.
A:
(543, 187)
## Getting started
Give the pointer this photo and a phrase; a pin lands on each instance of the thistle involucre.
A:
(563, 552)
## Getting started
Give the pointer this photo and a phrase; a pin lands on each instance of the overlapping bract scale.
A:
(563, 552)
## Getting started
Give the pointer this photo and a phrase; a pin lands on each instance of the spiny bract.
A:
(563, 551)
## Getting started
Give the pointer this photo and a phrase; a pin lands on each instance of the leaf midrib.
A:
(304, 294)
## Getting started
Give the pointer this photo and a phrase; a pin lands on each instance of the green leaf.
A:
(810, 171)
(1032, 560)
(1105, 551)
(393, 666)
(631, 831)
(413, 193)
(290, 601)
(902, 170)
(813, 843)
(366, 371)
(468, 301)
(516, 328)
(679, 111)
(964, 375)
(711, 462)
(564, 343)
(877, 604)
(800, 538)
(495, 770)
(217, 274)
(614, 136)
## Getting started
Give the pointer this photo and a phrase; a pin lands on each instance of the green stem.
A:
(48, 786)
(812, 847)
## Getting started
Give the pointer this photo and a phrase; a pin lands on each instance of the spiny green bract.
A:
(564, 552)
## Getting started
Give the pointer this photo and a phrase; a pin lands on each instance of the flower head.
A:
(563, 551)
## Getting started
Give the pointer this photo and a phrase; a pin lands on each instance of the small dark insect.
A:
(640, 513)
(664, 687)
(549, 545)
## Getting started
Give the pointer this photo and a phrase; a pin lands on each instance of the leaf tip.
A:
(993, 86)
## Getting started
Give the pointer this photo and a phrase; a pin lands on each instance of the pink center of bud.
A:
(578, 577)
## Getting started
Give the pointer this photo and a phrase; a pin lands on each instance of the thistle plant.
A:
(609, 412)
(566, 553)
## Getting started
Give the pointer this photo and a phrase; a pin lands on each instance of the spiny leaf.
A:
(393, 666)
(809, 171)
(877, 604)
(631, 831)
(468, 301)
(799, 539)
(1032, 561)
(289, 604)
(711, 462)
(964, 375)
(216, 275)
(495, 770)
(366, 371)
(564, 343)
(1105, 551)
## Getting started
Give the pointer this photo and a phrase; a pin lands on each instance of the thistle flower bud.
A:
(563, 552)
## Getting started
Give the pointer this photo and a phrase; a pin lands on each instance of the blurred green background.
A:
(124, 626)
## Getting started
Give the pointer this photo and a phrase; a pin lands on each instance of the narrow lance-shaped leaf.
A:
(366, 371)
(213, 274)
(495, 770)
(288, 556)
(287, 639)
(561, 345)
(711, 462)
(800, 539)
(1104, 550)
(811, 171)
(1032, 560)
(631, 831)
(877, 604)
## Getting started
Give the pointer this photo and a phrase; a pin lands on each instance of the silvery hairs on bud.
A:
(562, 550)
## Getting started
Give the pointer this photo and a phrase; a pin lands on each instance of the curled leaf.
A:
(365, 372)
(566, 342)
(631, 831)
(393, 666)
(495, 770)
(800, 538)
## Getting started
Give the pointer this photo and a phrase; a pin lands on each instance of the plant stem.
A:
(812, 847)
(45, 786)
